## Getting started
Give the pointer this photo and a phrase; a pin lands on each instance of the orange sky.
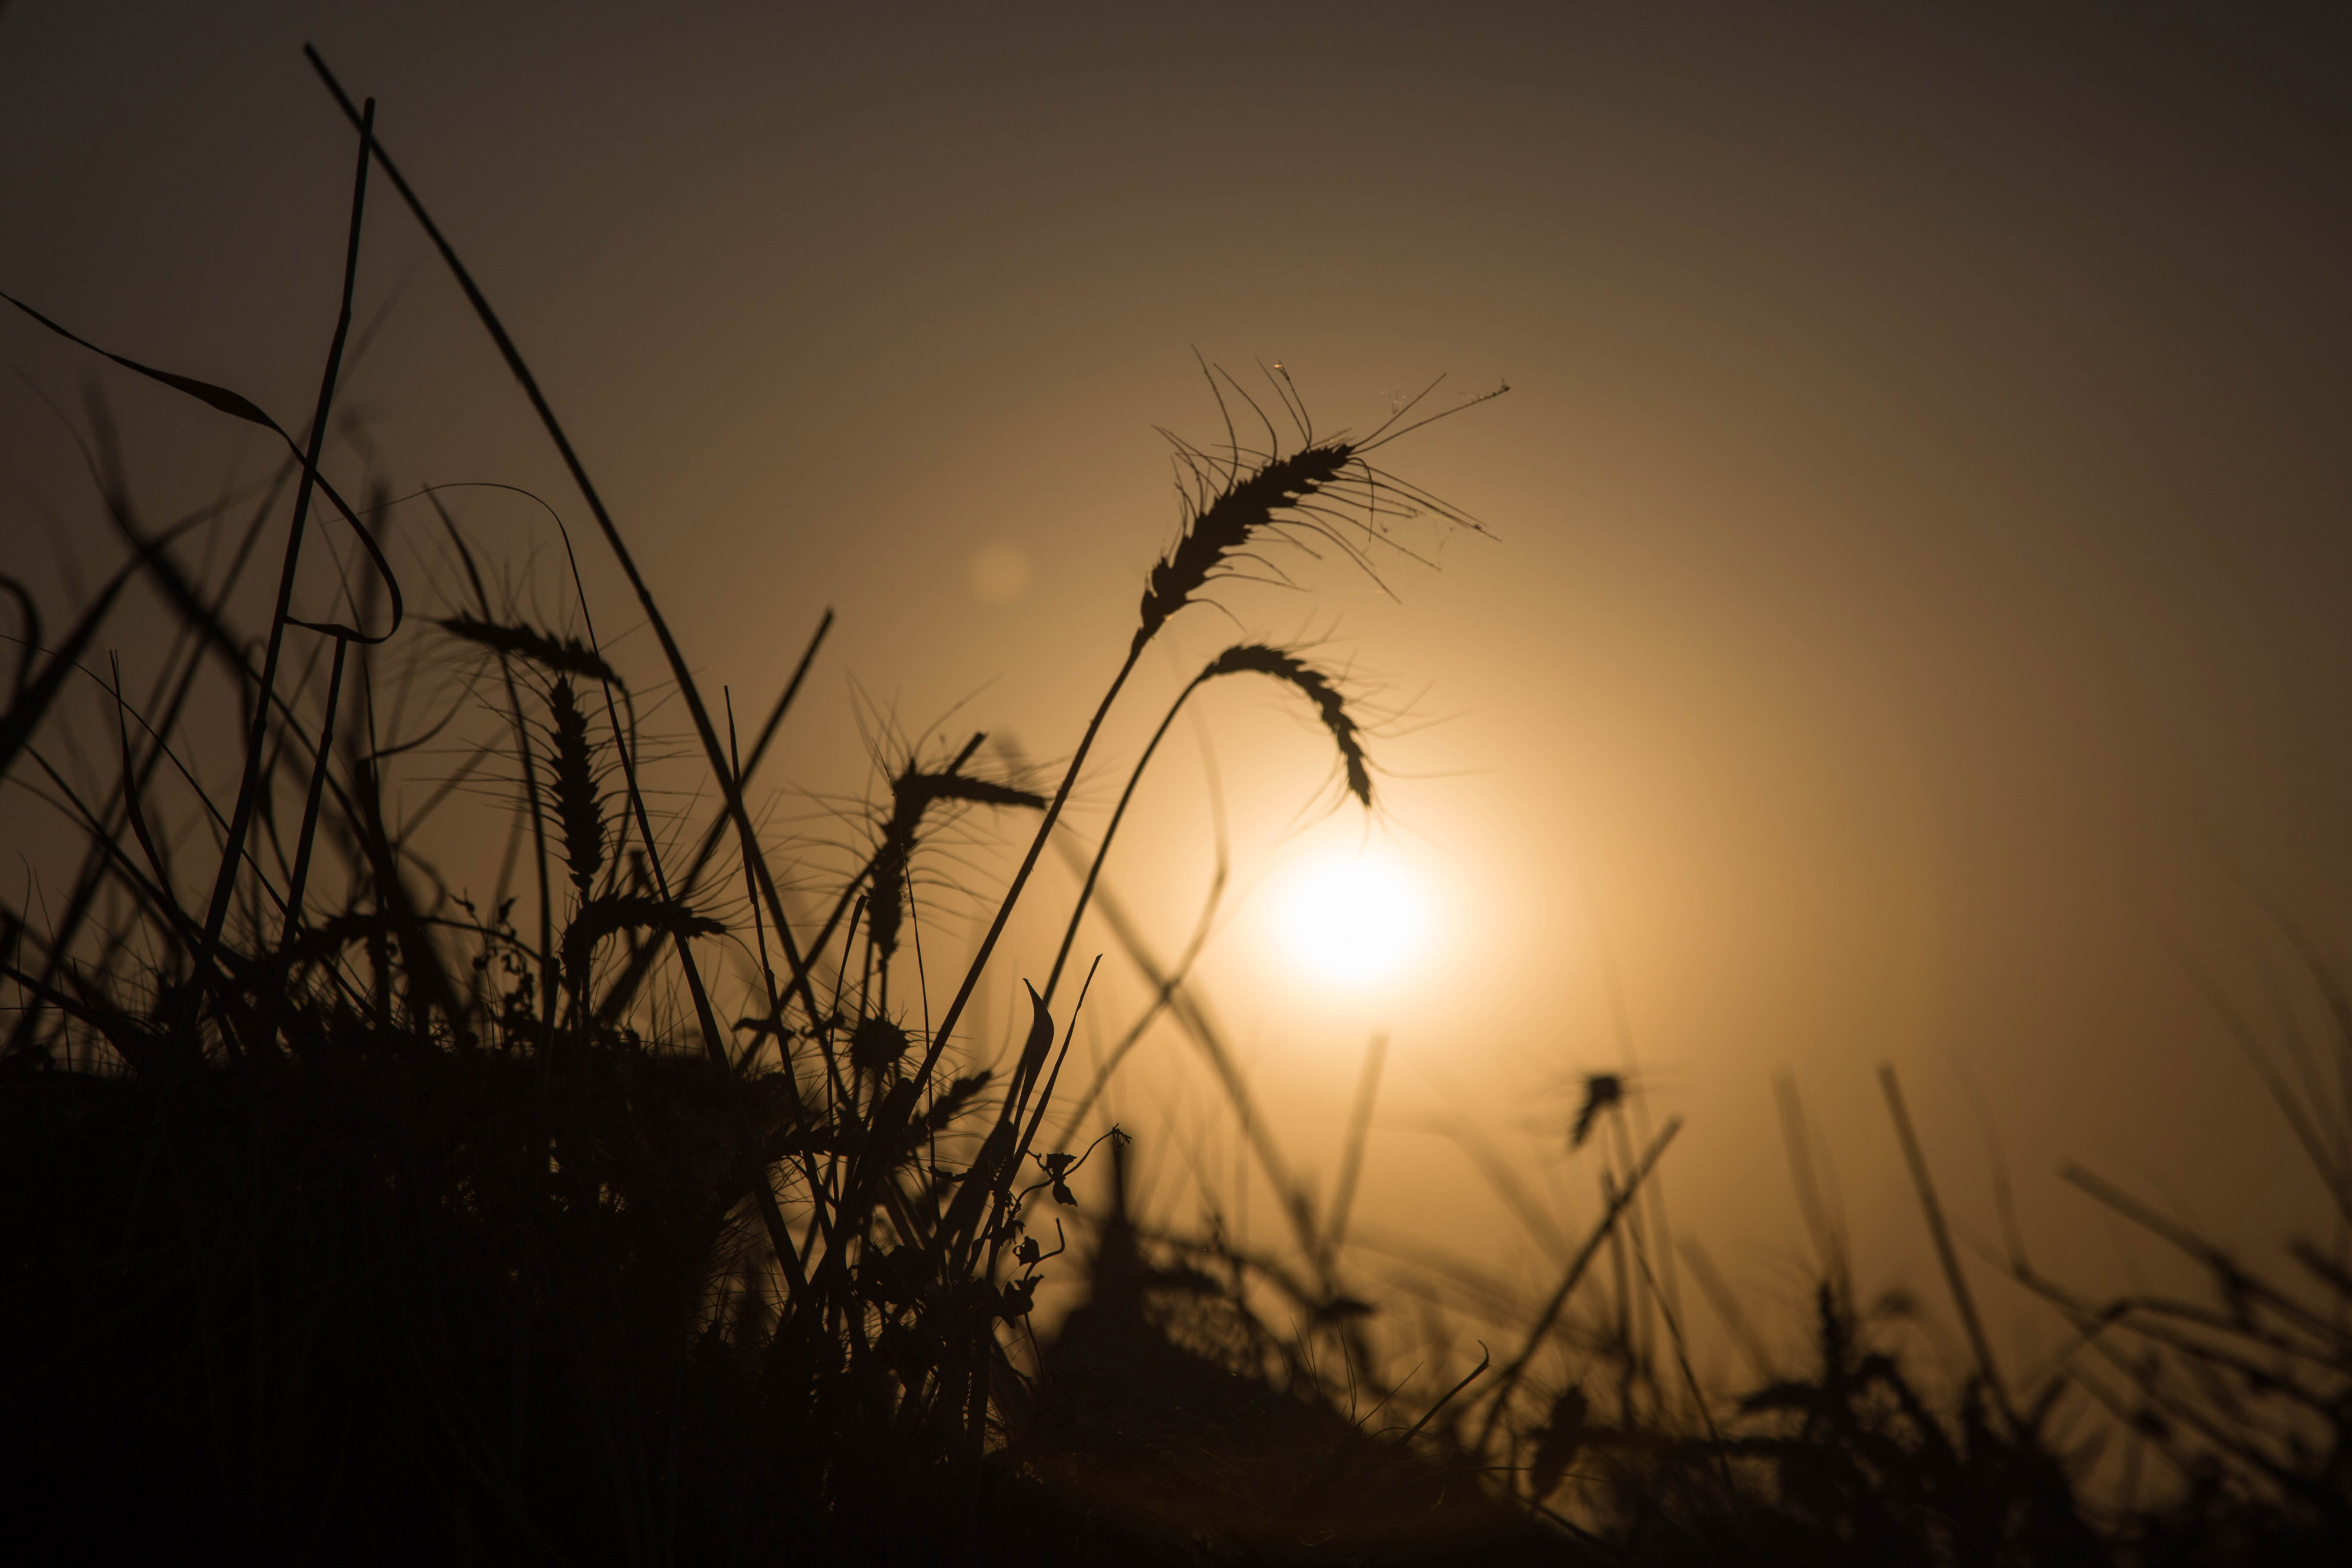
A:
(1914, 625)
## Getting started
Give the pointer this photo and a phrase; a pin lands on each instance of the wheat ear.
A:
(1243, 658)
(579, 812)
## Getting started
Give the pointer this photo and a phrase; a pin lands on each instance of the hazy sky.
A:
(1915, 624)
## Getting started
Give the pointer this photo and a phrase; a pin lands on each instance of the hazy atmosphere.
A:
(1904, 622)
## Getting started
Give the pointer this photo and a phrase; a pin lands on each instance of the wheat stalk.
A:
(1242, 658)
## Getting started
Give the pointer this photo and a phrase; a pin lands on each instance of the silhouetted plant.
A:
(423, 1232)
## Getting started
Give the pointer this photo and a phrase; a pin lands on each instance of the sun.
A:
(1357, 920)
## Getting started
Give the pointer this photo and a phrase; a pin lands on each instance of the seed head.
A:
(876, 1045)
(1225, 527)
(558, 655)
(1319, 688)
(1603, 1092)
(601, 918)
(911, 794)
(578, 812)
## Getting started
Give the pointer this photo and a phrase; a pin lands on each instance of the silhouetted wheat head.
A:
(572, 785)
(557, 655)
(1238, 503)
(1221, 533)
(913, 793)
(1319, 688)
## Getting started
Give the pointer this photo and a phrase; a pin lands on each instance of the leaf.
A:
(1040, 1041)
(221, 398)
(239, 407)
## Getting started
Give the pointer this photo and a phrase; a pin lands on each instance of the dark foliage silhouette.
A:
(343, 1219)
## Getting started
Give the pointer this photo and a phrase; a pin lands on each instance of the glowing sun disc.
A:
(1354, 920)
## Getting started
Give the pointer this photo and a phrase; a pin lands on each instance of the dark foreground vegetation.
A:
(638, 1215)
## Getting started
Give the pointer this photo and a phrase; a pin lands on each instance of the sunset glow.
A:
(1355, 920)
(1261, 784)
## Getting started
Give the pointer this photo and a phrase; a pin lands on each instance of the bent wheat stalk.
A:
(1243, 658)
(1220, 530)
